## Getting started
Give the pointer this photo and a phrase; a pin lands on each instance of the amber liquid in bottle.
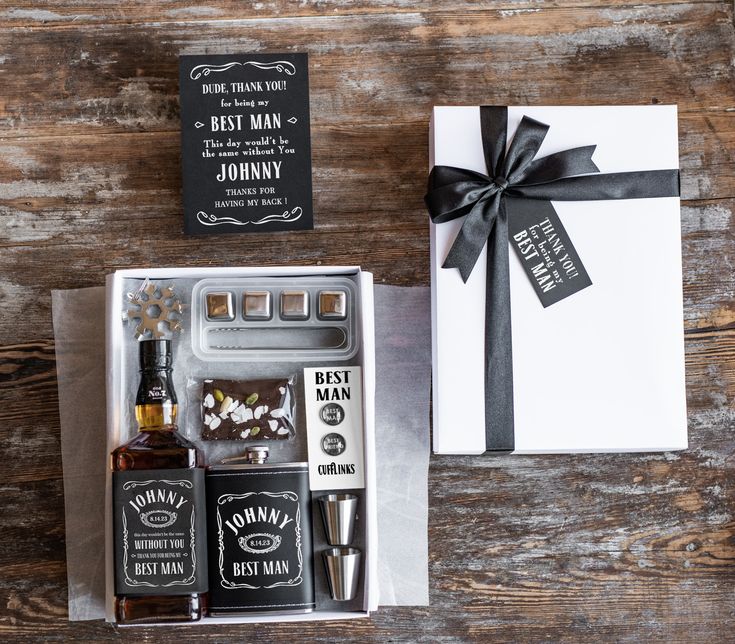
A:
(158, 445)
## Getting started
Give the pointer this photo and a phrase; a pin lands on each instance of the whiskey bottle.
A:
(158, 506)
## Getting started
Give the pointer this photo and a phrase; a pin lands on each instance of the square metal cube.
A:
(219, 306)
(256, 305)
(294, 305)
(332, 305)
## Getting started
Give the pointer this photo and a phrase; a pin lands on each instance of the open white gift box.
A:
(601, 370)
(393, 538)
(122, 374)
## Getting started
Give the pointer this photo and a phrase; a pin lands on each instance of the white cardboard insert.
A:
(116, 398)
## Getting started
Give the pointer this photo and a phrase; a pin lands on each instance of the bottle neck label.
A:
(156, 393)
(155, 387)
(160, 532)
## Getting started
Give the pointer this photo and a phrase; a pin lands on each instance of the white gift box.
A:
(599, 371)
(118, 432)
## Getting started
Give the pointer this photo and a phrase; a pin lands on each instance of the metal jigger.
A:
(343, 571)
(338, 514)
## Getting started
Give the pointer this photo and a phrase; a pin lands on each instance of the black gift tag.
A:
(245, 143)
(160, 532)
(545, 250)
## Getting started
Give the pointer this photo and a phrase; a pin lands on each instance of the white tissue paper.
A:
(403, 363)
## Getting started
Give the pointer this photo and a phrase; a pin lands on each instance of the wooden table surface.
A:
(579, 548)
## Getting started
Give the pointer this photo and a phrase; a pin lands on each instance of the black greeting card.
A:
(245, 143)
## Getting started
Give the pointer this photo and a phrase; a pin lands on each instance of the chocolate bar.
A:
(247, 409)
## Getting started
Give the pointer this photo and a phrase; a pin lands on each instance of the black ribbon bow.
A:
(515, 182)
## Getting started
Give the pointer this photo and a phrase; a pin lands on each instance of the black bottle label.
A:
(160, 532)
(261, 525)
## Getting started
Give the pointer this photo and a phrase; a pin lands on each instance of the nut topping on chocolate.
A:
(238, 417)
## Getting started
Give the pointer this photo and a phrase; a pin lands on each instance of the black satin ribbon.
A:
(486, 202)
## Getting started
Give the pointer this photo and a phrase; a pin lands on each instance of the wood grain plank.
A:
(59, 13)
(29, 365)
(708, 230)
(371, 69)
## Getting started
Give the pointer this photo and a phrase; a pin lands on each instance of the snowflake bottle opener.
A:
(154, 306)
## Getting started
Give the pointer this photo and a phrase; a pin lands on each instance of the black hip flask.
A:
(259, 518)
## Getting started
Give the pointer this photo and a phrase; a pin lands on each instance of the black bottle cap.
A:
(155, 354)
